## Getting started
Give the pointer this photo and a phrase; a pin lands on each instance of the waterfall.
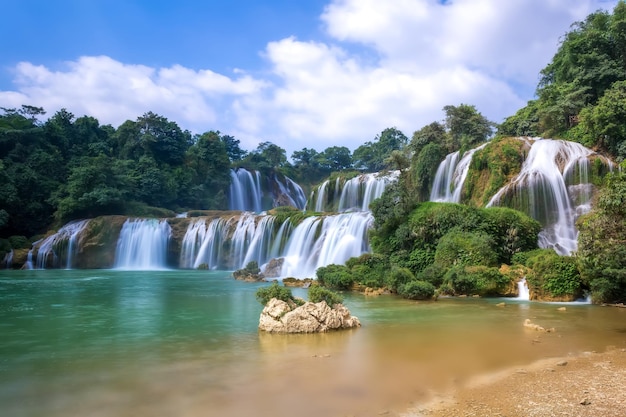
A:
(59, 245)
(231, 243)
(522, 288)
(8, 259)
(451, 175)
(249, 193)
(541, 190)
(245, 190)
(320, 200)
(292, 193)
(142, 244)
(320, 241)
(359, 192)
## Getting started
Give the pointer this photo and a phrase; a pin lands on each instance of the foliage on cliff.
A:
(581, 93)
(602, 243)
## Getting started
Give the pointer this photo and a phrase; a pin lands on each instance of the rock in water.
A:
(281, 317)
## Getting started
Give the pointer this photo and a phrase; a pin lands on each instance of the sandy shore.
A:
(591, 384)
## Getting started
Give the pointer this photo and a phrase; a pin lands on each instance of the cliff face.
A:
(491, 168)
(97, 243)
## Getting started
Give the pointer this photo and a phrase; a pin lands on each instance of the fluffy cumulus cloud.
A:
(114, 92)
(383, 64)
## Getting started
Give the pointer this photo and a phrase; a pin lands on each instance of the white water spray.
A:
(142, 245)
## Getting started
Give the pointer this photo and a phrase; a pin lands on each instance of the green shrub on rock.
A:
(397, 278)
(265, 294)
(335, 276)
(417, 290)
(318, 294)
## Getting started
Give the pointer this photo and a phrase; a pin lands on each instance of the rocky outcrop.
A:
(274, 268)
(296, 282)
(248, 276)
(282, 317)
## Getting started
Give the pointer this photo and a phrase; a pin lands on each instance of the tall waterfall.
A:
(249, 192)
(451, 175)
(552, 187)
(142, 244)
(245, 190)
(58, 250)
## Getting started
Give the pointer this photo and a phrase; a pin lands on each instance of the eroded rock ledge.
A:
(282, 317)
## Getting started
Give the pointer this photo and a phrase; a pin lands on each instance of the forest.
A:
(67, 167)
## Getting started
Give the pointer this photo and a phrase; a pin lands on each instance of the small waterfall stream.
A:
(59, 247)
(451, 175)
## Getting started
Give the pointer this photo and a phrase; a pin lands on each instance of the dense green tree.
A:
(602, 243)
(603, 124)
(208, 161)
(432, 133)
(233, 150)
(373, 156)
(466, 127)
(335, 158)
(98, 185)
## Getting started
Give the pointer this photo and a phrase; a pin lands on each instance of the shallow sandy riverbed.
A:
(590, 384)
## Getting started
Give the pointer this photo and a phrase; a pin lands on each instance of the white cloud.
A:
(394, 63)
(114, 92)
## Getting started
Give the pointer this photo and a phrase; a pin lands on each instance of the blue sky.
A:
(307, 73)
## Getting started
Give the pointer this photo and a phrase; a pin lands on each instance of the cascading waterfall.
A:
(320, 241)
(359, 192)
(451, 175)
(291, 194)
(62, 244)
(554, 176)
(142, 245)
(249, 193)
(320, 198)
(245, 190)
(234, 242)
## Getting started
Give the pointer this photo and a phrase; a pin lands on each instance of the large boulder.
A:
(281, 317)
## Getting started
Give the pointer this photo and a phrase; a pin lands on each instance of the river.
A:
(185, 343)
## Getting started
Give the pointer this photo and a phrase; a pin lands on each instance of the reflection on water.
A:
(185, 343)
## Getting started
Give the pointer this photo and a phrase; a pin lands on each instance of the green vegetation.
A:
(581, 93)
(602, 243)
(318, 294)
(417, 290)
(265, 294)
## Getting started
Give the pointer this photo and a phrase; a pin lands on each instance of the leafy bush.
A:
(465, 248)
(335, 276)
(398, 277)
(19, 242)
(265, 294)
(252, 267)
(553, 275)
(369, 269)
(433, 274)
(317, 294)
(417, 290)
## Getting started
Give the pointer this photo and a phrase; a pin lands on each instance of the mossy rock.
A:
(98, 242)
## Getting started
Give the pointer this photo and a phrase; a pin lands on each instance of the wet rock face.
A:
(274, 268)
(282, 317)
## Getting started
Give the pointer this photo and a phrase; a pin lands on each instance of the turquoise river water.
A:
(185, 343)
